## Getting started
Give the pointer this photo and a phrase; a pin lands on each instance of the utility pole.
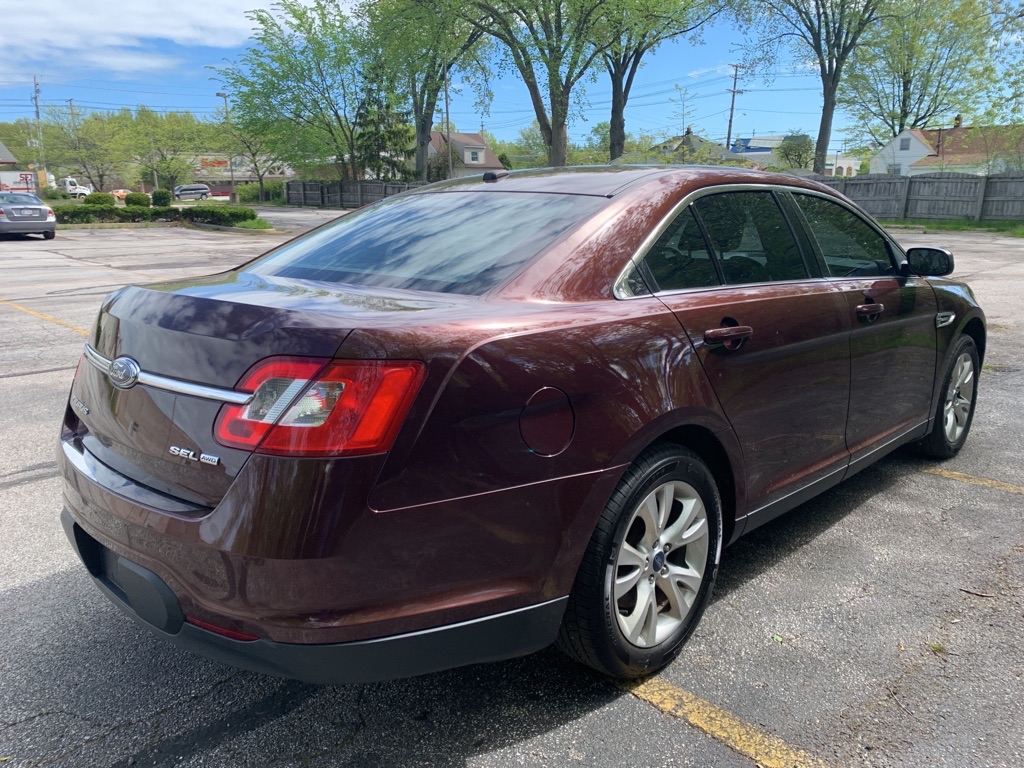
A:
(682, 108)
(41, 157)
(448, 124)
(231, 157)
(732, 104)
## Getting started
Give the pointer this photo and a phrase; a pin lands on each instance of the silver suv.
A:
(191, 192)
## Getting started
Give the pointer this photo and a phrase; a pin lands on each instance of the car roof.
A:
(609, 181)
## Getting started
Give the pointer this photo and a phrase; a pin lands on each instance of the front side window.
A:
(848, 245)
(447, 242)
(751, 237)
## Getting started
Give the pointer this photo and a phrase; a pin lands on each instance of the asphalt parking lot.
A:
(881, 624)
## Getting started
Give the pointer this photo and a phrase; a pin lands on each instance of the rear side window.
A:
(751, 237)
(847, 244)
(680, 258)
(449, 242)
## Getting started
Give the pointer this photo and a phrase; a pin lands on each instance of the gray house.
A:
(7, 160)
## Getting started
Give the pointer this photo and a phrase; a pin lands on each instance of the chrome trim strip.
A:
(176, 386)
(942, 319)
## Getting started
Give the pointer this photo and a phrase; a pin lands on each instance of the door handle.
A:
(870, 311)
(730, 336)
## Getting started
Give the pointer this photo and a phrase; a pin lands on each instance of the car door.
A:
(771, 338)
(893, 342)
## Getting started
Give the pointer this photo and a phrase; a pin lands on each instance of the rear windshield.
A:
(450, 242)
(29, 199)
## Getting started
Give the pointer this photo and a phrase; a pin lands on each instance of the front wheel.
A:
(648, 571)
(955, 412)
(202, 197)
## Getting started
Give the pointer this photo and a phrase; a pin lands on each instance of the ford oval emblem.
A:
(124, 373)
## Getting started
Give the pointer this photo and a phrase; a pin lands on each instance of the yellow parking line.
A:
(766, 750)
(996, 484)
(42, 316)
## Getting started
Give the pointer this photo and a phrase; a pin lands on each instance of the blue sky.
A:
(108, 55)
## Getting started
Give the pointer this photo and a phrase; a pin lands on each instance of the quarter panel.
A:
(623, 366)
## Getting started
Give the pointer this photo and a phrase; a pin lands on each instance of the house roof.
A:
(464, 141)
(688, 141)
(968, 145)
(6, 158)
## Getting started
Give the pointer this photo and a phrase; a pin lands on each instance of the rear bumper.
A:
(145, 597)
(8, 227)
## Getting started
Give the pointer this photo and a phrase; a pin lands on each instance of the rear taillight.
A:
(316, 407)
(50, 215)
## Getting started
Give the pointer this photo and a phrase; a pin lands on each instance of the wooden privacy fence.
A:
(343, 194)
(999, 197)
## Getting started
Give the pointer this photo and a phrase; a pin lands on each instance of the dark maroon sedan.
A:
(470, 421)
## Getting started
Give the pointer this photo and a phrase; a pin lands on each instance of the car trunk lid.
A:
(201, 336)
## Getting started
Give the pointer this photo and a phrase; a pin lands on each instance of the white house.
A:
(978, 150)
(476, 156)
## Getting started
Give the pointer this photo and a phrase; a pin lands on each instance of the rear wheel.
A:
(49, 235)
(956, 408)
(648, 571)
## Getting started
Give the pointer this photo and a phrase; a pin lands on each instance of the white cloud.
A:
(721, 69)
(119, 37)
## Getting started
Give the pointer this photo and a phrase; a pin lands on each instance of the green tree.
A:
(384, 138)
(639, 27)
(553, 44)
(796, 151)
(96, 146)
(304, 67)
(422, 43)
(254, 140)
(166, 147)
(528, 150)
(445, 164)
(925, 61)
(20, 137)
(828, 31)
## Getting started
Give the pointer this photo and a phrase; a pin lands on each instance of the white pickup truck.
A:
(72, 187)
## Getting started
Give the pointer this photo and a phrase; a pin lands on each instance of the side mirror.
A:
(929, 262)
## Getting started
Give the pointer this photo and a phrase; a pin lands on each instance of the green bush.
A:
(221, 215)
(162, 198)
(134, 213)
(99, 198)
(138, 199)
(84, 214)
(250, 193)
(52, 193)
(165, 213)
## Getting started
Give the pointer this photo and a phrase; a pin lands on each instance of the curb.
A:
(169, 225)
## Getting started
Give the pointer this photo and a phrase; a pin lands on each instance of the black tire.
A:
(202, 197)
(49, 235)
(665, 601)
(955, 411)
